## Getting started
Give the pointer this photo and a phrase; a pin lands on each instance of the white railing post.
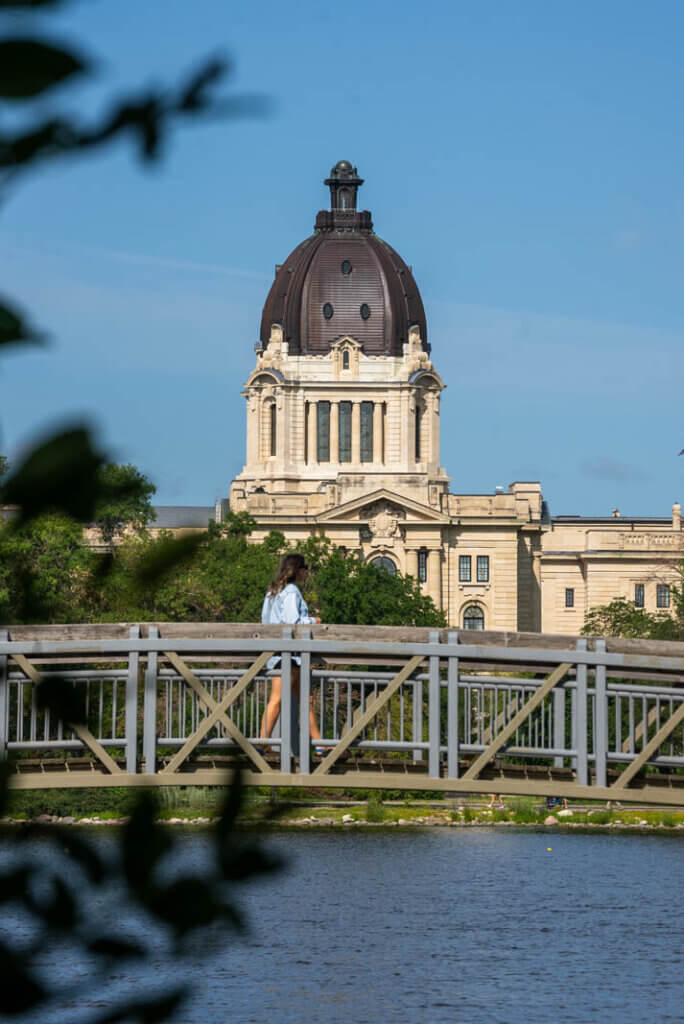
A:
(600, 717)
(132, 705)
(304, 696)
(581, 746)
(433, 710)
(286, 707)
(150, 707)
(4, 699)
(452, 712)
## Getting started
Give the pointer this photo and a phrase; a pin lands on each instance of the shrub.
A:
(375, 811)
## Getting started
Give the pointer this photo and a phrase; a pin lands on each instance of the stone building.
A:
(343, 439)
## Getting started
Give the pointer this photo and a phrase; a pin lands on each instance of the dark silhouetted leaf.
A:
(24, 991)
(64, 700)
(119, 949)
(144, 843)
(5, 772)
(29, 67)
(60, 909)
(58, 475)
(166, 556)
(193, 95)
(186, 904)
(146, 1011)
(246, 861)
(13, 328)
(13, 884)
(19, 4)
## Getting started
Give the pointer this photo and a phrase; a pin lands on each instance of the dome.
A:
(344, 280)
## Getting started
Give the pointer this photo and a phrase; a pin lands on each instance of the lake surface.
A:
(472, 925)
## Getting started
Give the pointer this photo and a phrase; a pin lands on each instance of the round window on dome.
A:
(346, 267)
(328, 311)
(365, 311)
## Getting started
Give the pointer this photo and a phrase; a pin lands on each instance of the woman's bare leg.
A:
(270, 715)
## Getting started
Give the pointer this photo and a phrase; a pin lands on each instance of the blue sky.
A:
(526, 159)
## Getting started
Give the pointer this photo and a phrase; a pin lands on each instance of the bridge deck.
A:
(181, 704)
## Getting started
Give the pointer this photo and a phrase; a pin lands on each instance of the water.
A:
(472, 925)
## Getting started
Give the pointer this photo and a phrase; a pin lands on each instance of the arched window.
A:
(386, 564)
(328, 311)
(473, 617)
(364, 310)
(272, 427)
(345, 359)
(346, 267)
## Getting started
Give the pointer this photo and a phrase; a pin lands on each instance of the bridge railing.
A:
(174, 704)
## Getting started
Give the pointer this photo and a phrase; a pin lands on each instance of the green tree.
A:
(124, 500)
(46, 573)
(347, 590)
(4, 465)
(621, 618)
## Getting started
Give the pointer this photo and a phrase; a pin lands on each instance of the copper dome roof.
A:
(344, 280)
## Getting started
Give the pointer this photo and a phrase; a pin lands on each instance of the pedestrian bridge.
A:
(173, 704)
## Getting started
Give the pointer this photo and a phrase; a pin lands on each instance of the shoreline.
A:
(313, 822)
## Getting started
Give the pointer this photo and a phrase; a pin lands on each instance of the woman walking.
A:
(285, 605)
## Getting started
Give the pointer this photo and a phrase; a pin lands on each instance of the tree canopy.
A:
(48, 575)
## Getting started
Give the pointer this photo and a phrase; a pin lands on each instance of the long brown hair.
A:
(288, 570)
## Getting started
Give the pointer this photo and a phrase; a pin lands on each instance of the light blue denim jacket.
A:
(287, 607)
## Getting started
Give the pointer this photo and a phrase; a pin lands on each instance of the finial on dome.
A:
(344, 183)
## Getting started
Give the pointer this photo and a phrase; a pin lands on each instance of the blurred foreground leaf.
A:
(62, 699)
(28, 67)
(14, 329)
(58, 475)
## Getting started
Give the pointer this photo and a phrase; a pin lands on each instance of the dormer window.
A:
(345, 359)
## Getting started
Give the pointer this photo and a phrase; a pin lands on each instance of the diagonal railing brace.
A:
(84, 734)
(213, 706)
(535, 700)
(372, 708)
(637, 764)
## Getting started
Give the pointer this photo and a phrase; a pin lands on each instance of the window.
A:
(366, 431)
(483, 568)
(345, 359)
(663, 595)
(569, 597)
(323, 431)
(386, 564)
(638, 595)
(473, 617)
(273, 428)
(346, 267)
(419, 423)
(364, 311)
(464, 569)
(328, 311)
(422, 565)
(345, 431)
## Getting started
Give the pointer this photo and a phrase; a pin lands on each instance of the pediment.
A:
(382, 506)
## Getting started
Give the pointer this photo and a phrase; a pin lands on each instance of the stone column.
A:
(412, 562)
(377, 433)
(434, 428)
(356, 433)
(334, 432)
(434, 576)
(253, 407)
(312, 436)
